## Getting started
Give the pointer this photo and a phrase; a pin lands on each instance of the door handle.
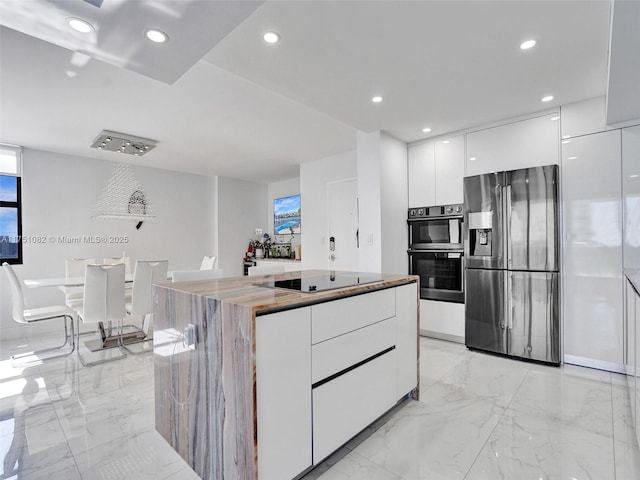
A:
(509, 295)
(505, 301)
(332, 257)
(508, 225)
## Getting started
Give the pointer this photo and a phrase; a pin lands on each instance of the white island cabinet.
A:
(348, 361)
(279, 379)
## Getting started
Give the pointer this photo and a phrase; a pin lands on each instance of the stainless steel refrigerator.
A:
(511, 263)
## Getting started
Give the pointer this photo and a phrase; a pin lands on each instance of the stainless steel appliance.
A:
(512, 270)
(436, 251)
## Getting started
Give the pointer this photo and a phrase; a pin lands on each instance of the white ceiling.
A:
(256, 111)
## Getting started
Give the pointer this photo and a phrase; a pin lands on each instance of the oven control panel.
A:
(454, 210)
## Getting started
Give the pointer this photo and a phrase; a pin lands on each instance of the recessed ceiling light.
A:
(446, 141)
(635, 175)
(548, 98)
(80, 25)
(376, 99)
(565, 141)
(572, 158)
(473, 159)
(156, 35)
(271, 37)
(526, 45)
(426, 130)
(553, 119)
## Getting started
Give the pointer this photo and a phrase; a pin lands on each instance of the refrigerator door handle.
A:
(509, 296)
(507, 223)
(505, 302)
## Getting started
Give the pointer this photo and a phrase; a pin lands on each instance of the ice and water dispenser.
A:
(480, 234)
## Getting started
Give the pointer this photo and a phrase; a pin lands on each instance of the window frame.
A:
(15, 204)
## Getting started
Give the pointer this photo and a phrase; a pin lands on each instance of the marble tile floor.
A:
(479, 417)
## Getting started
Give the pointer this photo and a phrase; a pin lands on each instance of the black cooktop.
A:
(320, 283)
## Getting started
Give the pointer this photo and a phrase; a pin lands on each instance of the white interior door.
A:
(342, 214)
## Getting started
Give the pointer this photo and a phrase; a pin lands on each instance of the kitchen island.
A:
(264, 377)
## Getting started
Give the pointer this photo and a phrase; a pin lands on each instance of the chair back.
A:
(186, 275)
(74, 267)
(104, 293)
(115, 260)
(145, 275)
(17, 295)
(207, 263)
(266, 270)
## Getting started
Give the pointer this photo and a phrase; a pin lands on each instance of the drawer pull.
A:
(352, 367)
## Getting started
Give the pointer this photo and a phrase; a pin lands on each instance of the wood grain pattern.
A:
(206, 398)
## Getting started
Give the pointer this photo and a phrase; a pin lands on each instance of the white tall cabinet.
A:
(631, 195)
(592, 251)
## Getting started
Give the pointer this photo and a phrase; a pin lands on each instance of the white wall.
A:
(394, 192)
(383, 198)
(241, 208)
(59, 196)
(314, 177)
(281, 189)
(369, 170)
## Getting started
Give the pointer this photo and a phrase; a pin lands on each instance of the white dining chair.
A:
(266, 270)
(146, 273)
(33, 315)
(115, 260)
(189, 275)
(207, 263)
(74, 268)
(103, 304)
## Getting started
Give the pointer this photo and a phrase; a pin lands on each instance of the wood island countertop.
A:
(245, 291)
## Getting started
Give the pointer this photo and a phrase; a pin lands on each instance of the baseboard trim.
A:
(442, 336)
(592, 363)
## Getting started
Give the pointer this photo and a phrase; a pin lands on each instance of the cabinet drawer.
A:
(331, 319)
(349, 403)
(338, 353)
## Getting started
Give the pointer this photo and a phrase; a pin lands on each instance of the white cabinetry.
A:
(289, 265)
(522, 144)
(422, 174)
(632, 318)
(364, 359)
(631, 195)
(449, 168)
(444, 320)
(283, 379)
(436, 169)
(406, 338)
(592, 251)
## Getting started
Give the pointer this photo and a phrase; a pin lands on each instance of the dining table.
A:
(63, 281)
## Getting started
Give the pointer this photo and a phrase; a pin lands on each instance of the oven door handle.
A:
(436, 250)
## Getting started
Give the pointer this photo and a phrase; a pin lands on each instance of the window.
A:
(10, 204)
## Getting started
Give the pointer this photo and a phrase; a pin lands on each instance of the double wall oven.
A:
(436, 252)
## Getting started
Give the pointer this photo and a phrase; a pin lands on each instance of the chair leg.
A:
(16, 359)
(86, 363)
(124, 346)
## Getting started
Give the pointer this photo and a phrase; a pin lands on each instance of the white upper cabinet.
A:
(422, 181)
(631, 195)
(436, 169)
(526, 143)
(449, 170)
